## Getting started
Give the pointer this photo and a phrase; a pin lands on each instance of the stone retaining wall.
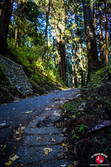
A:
(16, 75)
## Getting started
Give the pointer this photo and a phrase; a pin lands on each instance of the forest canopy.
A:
(70, 36)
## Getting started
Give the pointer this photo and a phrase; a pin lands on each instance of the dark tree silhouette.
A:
(5, 15)
(92, 54)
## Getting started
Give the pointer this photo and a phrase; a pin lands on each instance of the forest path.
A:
(41, 143)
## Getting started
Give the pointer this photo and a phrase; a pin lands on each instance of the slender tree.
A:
(73, 81)
(106, 33)
(101, 43)
(47, 23)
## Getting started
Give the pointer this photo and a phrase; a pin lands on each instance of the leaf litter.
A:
(90, 127)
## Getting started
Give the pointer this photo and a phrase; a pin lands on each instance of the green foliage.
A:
(30, 9)
(73, 106)
(97, 80)
(94, 106)
(42, 75)
(78, 131)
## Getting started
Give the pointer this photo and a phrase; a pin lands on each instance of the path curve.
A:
(38, 116)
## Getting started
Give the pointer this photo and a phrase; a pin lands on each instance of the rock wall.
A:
(16, 75)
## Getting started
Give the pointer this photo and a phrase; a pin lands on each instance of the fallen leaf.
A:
(48, 109)
(75, 163)
(18, 138)
(22, 127)
(63, 144)
(63, 165)
(14, 158)
(29, 112)
(19, 165)
(17, 132)
(8, 163)
(53, 139)
(14, 148)
(69, 165)
(47, 150)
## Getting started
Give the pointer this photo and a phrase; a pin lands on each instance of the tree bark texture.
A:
(101, 42)
(62, 63)
(82, 65)
(93, 62)
(47, 23)
(73, 82)
(76, 67)
(6, 10)
(106, 34)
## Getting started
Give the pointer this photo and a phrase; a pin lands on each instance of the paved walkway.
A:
(42, 141)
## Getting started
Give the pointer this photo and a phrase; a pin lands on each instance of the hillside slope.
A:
(43, 76)
(86, 121)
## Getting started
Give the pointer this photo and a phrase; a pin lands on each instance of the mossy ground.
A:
(43, 75)
(80, 115)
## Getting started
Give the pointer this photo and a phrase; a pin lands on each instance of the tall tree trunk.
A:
(53, 52)
(106, 34)
(76, 56)
(82, 65)
(47, 52)
(93, 62)
(16, 35)
(73, 66)
(67, 73)
(47, 23)
(62, 62)
(17, 28)
(67, 67)
(4, 23)
(101, 42)
(76, 67)
(82, 78)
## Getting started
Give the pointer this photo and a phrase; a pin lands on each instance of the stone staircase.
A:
(16, 75)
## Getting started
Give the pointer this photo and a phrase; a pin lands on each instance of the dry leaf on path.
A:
(69, 165)
(75, 163)
(63, 144)
(14, 158)
(47, 150)
(8, 163)
(63, 165)
(28, 112)
(11, 159)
